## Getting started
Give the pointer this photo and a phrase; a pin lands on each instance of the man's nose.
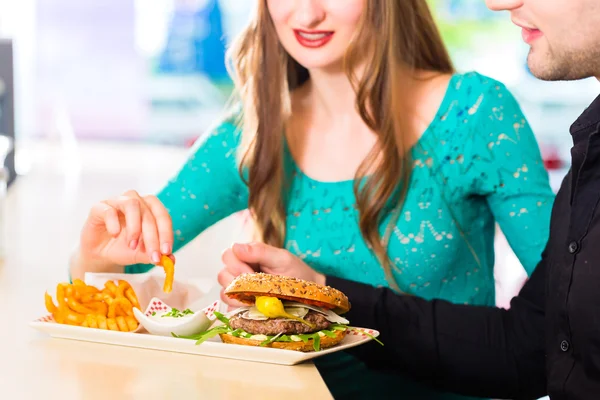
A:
(504, 5)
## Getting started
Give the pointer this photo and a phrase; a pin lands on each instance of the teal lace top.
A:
(476, 165)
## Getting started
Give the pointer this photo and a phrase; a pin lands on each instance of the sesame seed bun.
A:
(326, 342)
(247, 286)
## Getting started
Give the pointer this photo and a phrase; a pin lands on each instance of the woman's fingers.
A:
(225, 277)
(130, 208)
(143, 223)
(234, 265)
(164, 224)
(233, 304)
(232, 269)
(140, 223)
(107, 217)
(150, 235)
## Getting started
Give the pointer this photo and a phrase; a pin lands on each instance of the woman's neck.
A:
(331, 95)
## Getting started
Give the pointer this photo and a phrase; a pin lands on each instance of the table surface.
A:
(44, 212)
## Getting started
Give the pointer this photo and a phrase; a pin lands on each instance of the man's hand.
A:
(259, 257)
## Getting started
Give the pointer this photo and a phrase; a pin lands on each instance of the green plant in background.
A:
(469, 25)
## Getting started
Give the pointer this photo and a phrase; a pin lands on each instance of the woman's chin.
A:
(321, 64)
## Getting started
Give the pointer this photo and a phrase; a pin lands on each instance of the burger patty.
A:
(276, 326)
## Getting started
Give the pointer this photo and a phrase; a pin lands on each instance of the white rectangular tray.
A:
(211, 348)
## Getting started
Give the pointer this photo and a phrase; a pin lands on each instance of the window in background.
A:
(128, 70)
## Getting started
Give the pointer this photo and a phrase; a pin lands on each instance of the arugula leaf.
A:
(202, 337)
(211, 333)
(222, 318)
(363, 332)
(338, 327)
(270, 339)
(316, 342)
(328, 333)
(305, 338)
(238, 332)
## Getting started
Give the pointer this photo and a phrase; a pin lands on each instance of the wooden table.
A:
(45, 211)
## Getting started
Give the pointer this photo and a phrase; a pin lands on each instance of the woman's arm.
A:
(206, 189)
(508, 170)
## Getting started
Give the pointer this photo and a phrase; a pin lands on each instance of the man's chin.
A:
(543, 68)
(546, 68)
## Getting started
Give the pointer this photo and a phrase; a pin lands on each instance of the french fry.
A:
(60, 296)
(123, 286)
(107, 298)
(89, 297)
(77, 307)
(132, 323)
(50, 306)
(73, 318)
(101, 319)
(99, 308)
(130, 294)
(120, 306)
(112, 324)
(79, 282)
(91, 321)
(70, 292)
(110, 285)
(81, 305)
(122, 324)
(169, 268)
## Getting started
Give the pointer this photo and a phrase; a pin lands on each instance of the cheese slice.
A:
(295, 308)
(329, 315)
(237, 311)
(256, 315)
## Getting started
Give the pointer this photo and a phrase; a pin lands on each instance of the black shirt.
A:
(549, 340)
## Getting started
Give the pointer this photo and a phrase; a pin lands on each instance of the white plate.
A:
(211, 348)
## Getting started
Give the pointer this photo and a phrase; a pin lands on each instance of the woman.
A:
(362, 152)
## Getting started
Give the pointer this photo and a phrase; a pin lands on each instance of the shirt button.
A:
(573, 247)
(564, 345)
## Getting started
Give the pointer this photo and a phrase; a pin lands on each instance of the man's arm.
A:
(470, 350)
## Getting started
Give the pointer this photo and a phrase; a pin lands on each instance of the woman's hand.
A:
(259, 257)
(126, 230)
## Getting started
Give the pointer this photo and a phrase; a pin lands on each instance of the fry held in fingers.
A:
(169, 268)
(86, 306)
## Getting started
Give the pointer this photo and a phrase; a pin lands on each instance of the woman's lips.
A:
(313, 39)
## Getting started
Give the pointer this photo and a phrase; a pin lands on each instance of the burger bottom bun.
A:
(326, 342)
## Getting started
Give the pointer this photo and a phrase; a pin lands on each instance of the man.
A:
(549, 340)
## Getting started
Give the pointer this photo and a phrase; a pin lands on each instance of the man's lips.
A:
(529, 34)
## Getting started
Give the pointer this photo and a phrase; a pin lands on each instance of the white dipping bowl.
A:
(167, 326)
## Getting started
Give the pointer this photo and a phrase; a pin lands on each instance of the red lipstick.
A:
(313, 39)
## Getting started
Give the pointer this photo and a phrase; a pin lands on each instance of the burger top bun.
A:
(246, 287)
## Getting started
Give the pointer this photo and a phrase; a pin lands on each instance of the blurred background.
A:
(102, 96)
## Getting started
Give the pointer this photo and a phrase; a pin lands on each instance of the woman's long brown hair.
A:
(398, 35)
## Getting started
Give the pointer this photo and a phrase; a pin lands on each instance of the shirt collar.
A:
(590, 117)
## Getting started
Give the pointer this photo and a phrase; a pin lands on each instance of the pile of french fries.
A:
(82, 305)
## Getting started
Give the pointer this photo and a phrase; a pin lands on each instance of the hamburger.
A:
(282, 312)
